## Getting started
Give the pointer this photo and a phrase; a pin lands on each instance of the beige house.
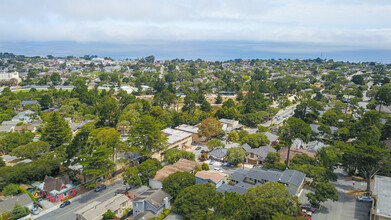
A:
(95, 210)
(181, 166)
(177, 139)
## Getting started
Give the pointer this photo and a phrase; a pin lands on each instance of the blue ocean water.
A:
(205, 50)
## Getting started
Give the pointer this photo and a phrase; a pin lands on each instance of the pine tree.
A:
(56, 131)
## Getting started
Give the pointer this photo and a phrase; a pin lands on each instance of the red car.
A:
(303, 215)
(307, 207)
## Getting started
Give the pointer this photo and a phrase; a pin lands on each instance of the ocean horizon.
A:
(205, 50)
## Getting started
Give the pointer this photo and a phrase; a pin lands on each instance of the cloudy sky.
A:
(278, 26)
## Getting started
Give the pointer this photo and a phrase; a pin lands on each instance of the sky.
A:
(214, 29)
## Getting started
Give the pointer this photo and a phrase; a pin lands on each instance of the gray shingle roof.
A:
(292, 176)
(239, 175)
(9, 202)
(261, 152)
(218, 153)
(228, 188)
(264, 174)
(270, 136)
(154, 197)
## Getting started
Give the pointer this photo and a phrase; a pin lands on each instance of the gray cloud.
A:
(343, 24)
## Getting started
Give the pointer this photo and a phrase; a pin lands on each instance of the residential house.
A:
(257, 156)
(211, 176)
(6, 128)
(26, 116)
(218, 154)
(293, 151)
(25, 127)
(8, 203)
(177, 139)
(154, 200)
(30, 102)
(180, 166)
(57, 189)
(292, 179)
(187, 128)
(239, 188)
(381, 208)
(274, 139)
(94, 211)
(76, 125)
(315, 128)
(229, 125)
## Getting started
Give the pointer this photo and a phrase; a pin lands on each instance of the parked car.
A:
(303, 215)
(307, 208)
(211, 162)
(364, 199)
(100, 188)
(34, 211)
(198, 148)
(218, 169)
(65, 204)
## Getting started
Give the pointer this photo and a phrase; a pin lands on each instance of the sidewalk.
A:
(51, 209)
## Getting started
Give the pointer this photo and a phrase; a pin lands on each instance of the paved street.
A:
(68, 212)
(347, 207)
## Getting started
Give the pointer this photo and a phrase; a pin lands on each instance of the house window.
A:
(65, 194)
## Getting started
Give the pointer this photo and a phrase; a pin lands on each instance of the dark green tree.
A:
(195, 202)
(255, 140)
(31, 150)
(219, 99)
(383, 96)
(11, 190)
(19, 211)
(323, 192)
(56, 131)
(173, 155)
(131, 176)
(178, 181)
(148, 169)
(294, 128)
(55, 78)
(146, 135)
(235, 155)
(270, 199)
(98, 163)
(232, 206)
(108, 215)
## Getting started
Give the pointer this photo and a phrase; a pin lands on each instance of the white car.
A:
(218, 169)
(364, 199)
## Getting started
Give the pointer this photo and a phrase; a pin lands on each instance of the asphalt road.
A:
(347, 207)
(68, 212)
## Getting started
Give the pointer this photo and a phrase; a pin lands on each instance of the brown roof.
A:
(22, 127)
(213, 175)
(284, 152)
(181, 166)
(52, 183)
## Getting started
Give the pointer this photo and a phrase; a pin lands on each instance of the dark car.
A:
(307, 207)
(198, 148)
(100, 188)
(65, 204)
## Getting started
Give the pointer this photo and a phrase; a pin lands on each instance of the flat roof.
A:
(174, 135)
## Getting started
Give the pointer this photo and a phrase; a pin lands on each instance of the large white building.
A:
(9, 76)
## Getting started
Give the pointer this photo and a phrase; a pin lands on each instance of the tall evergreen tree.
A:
(56, 131)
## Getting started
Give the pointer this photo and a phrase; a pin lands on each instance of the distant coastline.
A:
(210, 51)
